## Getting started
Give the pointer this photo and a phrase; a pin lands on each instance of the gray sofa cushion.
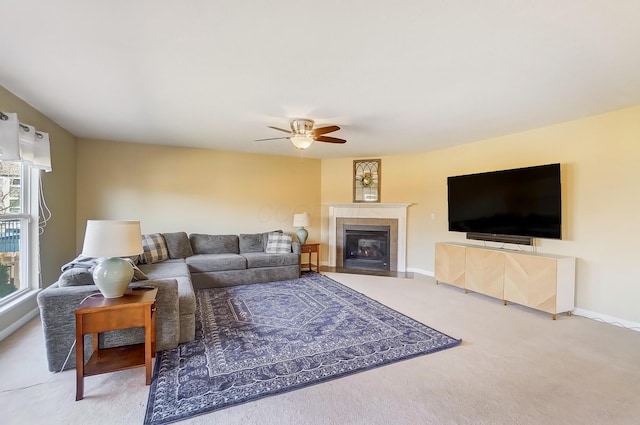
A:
(178, 270)
(166, 270)
(251, 242)
(260, 259)
(254, 242)
(214, 244)
(216, 262)
(178, 245)
(244, 277)
(75, 277)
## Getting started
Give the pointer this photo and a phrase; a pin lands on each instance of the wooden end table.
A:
(309, 248)
(136, 308)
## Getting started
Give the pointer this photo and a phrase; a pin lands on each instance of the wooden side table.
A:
(309, 248)
(136, 308)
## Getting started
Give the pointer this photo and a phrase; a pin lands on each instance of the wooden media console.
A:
(540, 281)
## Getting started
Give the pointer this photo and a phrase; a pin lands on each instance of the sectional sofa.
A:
(177, 264)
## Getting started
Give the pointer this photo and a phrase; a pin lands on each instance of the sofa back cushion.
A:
(255, 242)
(214, 244)
(205, 263)
(178, 245)
(251, 242)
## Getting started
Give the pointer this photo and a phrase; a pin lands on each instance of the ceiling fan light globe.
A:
(301, 142)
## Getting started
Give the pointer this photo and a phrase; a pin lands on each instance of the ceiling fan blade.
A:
(279, 129)
(325, 130)
(271, 138)
(329, 139)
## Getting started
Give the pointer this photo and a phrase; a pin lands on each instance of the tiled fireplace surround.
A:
(393, 215)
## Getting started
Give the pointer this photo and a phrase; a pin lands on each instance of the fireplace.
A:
(393, 215)
(369, 237)
(366, 247)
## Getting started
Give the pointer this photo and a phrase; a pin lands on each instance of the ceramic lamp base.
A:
(302, 234)
(112, 277)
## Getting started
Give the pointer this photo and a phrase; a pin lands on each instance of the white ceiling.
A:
(397, 76)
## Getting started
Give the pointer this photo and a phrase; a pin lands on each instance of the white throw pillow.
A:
(278, 243)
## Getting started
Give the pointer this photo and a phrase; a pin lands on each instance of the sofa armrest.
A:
(295, 248)
(167, 314)
(57, 313)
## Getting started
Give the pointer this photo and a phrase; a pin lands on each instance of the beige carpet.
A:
(515, 366)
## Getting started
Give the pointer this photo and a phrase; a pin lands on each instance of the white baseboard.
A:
(578, 311)
(607, 319)
(18, 323)
(420, 271)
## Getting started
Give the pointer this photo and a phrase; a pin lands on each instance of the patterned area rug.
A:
(254, 341)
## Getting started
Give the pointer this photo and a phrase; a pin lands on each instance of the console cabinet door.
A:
(485, 272)
(531, 281)
(450, 264)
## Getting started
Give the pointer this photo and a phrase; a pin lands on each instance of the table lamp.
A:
(301, 220)
(108, 240)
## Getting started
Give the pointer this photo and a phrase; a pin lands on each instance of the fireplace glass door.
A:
(366, 247)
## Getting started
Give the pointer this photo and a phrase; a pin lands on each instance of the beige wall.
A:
(57, 243)
(600, 173)
(194, 190)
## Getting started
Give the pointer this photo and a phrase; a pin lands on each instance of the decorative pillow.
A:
(278, 243)
(265, 239)
(178, 245)
(75, 277)
(155, 249)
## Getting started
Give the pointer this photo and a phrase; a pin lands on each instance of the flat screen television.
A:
(516, 202)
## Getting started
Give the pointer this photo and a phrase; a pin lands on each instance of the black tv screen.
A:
(517, 202)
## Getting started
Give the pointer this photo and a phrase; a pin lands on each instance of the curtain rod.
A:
(4, 117)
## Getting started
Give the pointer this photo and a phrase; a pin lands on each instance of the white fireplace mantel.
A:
(370, 210)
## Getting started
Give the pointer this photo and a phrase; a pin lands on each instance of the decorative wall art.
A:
(366, 180)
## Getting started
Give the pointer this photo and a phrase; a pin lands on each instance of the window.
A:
(15, 229)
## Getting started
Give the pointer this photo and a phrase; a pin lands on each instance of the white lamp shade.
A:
(301, 220)
(301, 142)
(112, 238)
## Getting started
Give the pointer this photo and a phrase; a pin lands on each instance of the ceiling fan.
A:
(302, 133)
